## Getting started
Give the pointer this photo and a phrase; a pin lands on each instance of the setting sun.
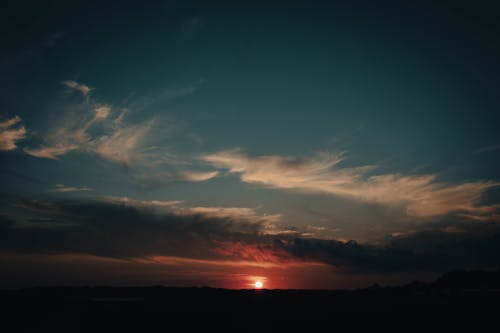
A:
(258, 285)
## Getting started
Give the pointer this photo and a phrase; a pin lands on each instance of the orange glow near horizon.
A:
(258, 284)
(178, 271)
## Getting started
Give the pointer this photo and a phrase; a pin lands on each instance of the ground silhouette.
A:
(457, 298)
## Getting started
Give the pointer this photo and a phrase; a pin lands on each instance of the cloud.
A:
(169, 260)
(64, 188)
(155, 180)
(93, 127)
(193, 176)
(165, 230)
(9, 122)
(172, 94)
(127, 228)
(141, 203)
(449, 246)
(83, 269)
(123, 145)
(248, 215)
(488, 149)
(265, 252)
(52, 152)
(241, 214)
(167, 95)
(420, 195)
(151, 181)
(84, 89)
(10, 133)
(102, 112)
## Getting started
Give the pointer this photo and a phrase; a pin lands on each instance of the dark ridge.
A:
(472, 296)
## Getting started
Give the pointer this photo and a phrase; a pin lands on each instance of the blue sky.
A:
(322, 122)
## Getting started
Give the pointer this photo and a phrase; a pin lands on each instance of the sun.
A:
(258, 284)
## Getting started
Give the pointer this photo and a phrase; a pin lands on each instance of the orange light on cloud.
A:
(170, 271)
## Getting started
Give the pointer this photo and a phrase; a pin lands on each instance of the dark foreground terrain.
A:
(462, 299)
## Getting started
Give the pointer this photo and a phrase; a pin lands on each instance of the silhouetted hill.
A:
(471, 296)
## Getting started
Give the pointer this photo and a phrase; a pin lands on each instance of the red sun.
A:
(258, 284)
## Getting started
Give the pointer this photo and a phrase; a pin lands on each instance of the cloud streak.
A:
(11, 132)
(420, 195)
(193, 176)
(84, 89)
(141, 203)
(63, 188)
(51, 152)
(244, 214)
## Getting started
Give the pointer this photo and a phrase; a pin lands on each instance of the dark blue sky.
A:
(305, 121)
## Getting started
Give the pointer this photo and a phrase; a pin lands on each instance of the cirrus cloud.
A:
(420, 195)
(83, 88)
(10, 133)
(63, 188)
(198, 176)
(92, 127)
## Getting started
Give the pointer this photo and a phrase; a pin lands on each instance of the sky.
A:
(303, 144)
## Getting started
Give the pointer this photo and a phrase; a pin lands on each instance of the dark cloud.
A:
(435, 250)
(111, 229)
(119, 230)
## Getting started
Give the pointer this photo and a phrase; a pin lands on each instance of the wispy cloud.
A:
(193, 176)
(94, 127)
(102, 112)
(177, 207)
(172, 94)
(123, 145)
(64, 188)
(166, 95)
(155, 180)
(420, 195)
(51, 152)
(83, 88)
(11, 132)
(488, 149)
(141, 203)
(9, 122)
(249, 215)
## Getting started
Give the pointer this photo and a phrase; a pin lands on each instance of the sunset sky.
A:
(304, 144)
